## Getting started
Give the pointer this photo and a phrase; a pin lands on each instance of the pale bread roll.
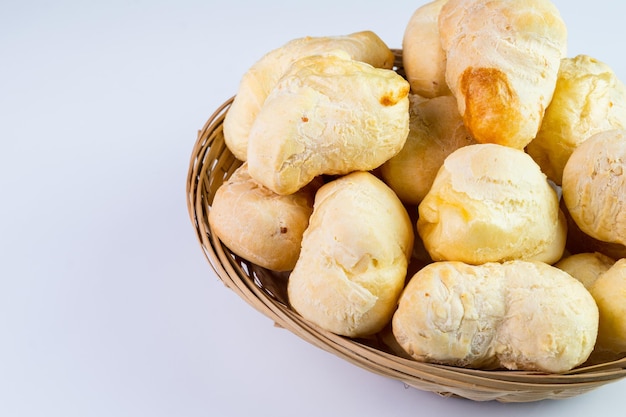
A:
(354, 257)
(555, 250)
(586, 267)
(594, 186)
(261, 78)
(435, 130)
(518, 315)
(423, 58)
(259, 225)
(327, 115)
(609, 292)
(491, 203)
(580, 242)
(503, 57)
(588, 99)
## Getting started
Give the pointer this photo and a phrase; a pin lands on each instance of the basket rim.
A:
(242, 277)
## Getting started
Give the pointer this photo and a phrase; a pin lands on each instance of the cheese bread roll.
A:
(327, 115)
(516, 315)
(588, 99)
(435, 131)
(491, 203)
(594, 186)
(586, 266)
(502, 60)
(354, 257)
(609, 291)
(258, 224)
(260, 79)
(423, 58)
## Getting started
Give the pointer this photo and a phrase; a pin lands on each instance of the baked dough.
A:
(354, 257)
(491, 203)
(518, 315)
(502, 60)
(259, 225)
(594, 186)
(580, 242)
(261, 78)
(588, 99)
(435, 131)
(423, 58)
(609, 292)
(327, 115)
(586, 267)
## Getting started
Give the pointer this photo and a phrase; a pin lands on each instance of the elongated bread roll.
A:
(327, 115)
(503, 57)
(258, 224)
(354, 257)
(589, 98)
(516, 315)
(261, 78)
(423, 58)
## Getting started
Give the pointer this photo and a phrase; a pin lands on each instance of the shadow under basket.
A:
(212, 163)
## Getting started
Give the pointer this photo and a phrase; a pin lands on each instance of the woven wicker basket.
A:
(212, 163)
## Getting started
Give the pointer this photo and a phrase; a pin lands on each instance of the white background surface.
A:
(107, 304)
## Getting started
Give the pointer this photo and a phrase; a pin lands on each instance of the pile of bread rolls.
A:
(473, 206)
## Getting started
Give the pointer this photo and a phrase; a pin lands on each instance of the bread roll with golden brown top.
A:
(354, 257)
(503, 57)
(588, 99)
(517, 315)
(261, 78)
(435, 130)
(258, 224)
(594, 186)
(491, 203)
(327, 115)
(423, 59)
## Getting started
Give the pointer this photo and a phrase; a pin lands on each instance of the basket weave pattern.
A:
(212, 163)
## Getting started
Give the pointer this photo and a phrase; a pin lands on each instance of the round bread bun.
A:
(491, 203)
(259, 225)
(594, 186)
(435, 130)
(588, 99)
(609, 292)
(580, 242)
(586, 267)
